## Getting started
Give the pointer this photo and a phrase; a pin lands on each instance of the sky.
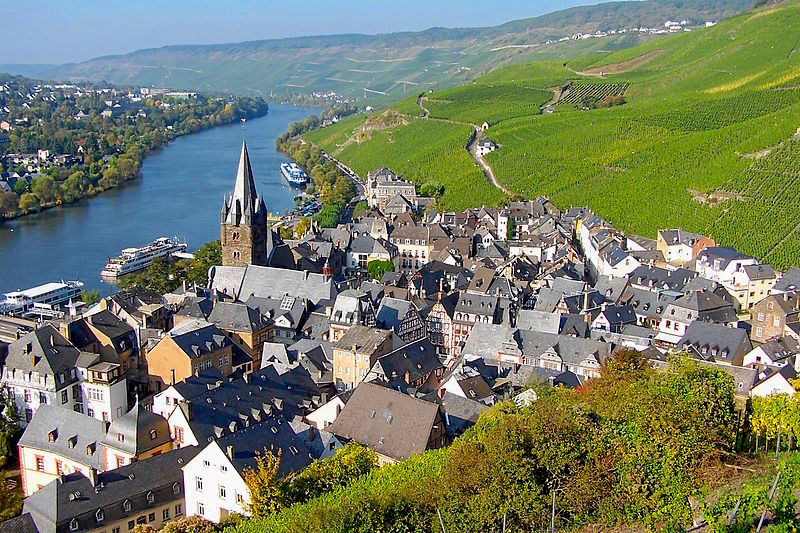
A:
(61, 31)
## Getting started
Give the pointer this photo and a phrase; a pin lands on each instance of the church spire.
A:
(242, 206)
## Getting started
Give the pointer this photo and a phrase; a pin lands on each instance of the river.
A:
(179, 193)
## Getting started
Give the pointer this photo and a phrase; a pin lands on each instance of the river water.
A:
(179, 193)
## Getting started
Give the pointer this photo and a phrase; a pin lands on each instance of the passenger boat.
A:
(133, 259)
(294, 174)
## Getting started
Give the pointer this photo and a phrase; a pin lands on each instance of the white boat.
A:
(52, 295)
(133, 259)
(294, 174)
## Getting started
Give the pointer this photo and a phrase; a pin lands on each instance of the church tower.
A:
(243, 220)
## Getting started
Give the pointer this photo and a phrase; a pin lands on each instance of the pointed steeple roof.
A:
(244, 204)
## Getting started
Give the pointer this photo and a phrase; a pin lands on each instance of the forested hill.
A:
(389, 64)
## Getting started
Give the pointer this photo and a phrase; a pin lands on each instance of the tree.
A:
(8, 425)
(302, 227)
(75, 187)
(345, 466)
(192, 524)
(266, 496)
(10, 500)
(90, 297)
(8, 202)
(378, 267)
(45, 190)
(28, 202)
(432, 189)
(208, 255)
(22, 186)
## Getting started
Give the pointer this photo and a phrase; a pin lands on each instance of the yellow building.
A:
(355, 353)
(186, 350)
(58, 441)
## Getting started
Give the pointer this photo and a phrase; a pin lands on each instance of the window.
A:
(141, 520)
(223, 468)
(150, 497)
(39, 463)
(90, 412)
(179, 435)
(26, 395)
(64, 396)
(131, 524)
(178, 509)
(239, 498)
(165, 514)
(73, 524)
(28, 415)
(198, 481)
(176, 488)
(223, 493)
(153, 434)
(59, 468)
(120, 461)
(776, 322)
(151, 517)
(126, 506)
(99, 515)
(759, 331)
(201, 509)
(115, 530)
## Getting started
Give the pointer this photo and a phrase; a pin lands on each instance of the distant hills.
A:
(392, 64)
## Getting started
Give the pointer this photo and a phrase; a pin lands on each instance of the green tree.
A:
(208, 255)
(28, 202)
(10, 501)
(45, 190)
(192, 524)
(21, 187)
(266, 492)
(76, 186)
(8, 425)
(90, 297)
(345, 466)
(378, 267)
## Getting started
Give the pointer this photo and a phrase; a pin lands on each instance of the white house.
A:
(214, 479)
(485, 146)
(774, 381)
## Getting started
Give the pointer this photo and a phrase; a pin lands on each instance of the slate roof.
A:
(272, 432)
(53, 506)
(725, 254)
(477, 304)
(234, 316)
(533, 320)
(789, 281)
(459, 413)
(352, 307)
(679, 236)
(661, 278)
(67, 433)
(192, 386)
(391, 312)
(759, 272)
(617, 315)
(110, 325)
(44, 351)
(702, 305)
(137, 431)
(19, 524)
(391, 423)
(197, 338)
(717, 342)
(365, 339)
(270, 282)
(418, 358)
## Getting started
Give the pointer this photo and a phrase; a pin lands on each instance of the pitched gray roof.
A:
(717, 342)
(391, 423)
(234, 316)
(198, 338)
(271, 282)
(45, 351)
(67, 433)
(137, 431)
(533, 320)
(391, 312)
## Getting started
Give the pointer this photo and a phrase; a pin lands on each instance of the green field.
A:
(705, 140)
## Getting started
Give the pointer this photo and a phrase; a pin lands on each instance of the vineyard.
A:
(582, 93)
(706, 139)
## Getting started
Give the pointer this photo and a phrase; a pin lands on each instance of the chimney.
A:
(93, 476)
(246, 377)
(183, 285)
(408, 377)
(229, 451)
(188, 404)
(440, 392)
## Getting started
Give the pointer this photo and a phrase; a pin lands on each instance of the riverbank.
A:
(118, 171)
(179, 194)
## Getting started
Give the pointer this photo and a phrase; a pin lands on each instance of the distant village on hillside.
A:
(147, 407)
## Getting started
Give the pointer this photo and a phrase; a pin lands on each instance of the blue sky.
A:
(58, 31)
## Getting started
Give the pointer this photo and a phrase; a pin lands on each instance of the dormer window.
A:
(126, 506)
(176, 488)
(120, 437)
(99, 515)
(150, 497)
(153, 434)
(73, 524)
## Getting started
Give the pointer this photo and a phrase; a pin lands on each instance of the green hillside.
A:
(707, 138)
(390, 65)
